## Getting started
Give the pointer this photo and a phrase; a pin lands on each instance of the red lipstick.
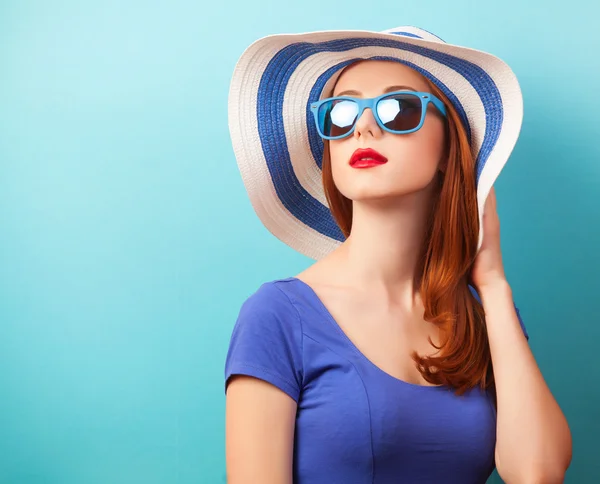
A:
(366, 158)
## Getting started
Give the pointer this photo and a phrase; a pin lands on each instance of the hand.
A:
(488, 268)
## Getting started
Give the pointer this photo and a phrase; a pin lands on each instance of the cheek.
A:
(427, 150)
(344, 176)
(430, 138)
(417, 157)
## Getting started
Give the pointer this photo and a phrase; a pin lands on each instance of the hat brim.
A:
(275, 142)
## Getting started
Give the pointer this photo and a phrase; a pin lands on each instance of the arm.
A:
(533, 441)
(260, 421)
(263, 383)
(533, 438)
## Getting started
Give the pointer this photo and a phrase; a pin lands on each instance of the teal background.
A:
(128, 242)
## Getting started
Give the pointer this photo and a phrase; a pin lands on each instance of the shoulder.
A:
(267, 340)
(269, 311)
(270, 298)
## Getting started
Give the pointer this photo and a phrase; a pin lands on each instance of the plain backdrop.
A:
(128, 242)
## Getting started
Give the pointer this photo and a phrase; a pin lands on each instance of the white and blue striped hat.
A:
(275, 142)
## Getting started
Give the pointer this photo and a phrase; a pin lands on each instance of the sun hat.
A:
(276, 144)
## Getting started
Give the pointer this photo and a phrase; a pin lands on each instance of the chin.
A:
(376, 184)
(370, 194)
(374, 188)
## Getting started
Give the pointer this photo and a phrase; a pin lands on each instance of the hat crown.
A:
(414, 33)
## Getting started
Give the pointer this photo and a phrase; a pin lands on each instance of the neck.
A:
(382, 252)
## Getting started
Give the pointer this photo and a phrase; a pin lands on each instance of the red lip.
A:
(364, 158)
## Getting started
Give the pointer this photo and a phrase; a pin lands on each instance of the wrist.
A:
(496, 286)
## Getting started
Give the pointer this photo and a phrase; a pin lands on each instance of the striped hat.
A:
(278, 149)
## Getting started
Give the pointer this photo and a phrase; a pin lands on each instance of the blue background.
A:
(128, 241)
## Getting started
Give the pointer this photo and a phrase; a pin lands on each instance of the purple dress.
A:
(355, 423)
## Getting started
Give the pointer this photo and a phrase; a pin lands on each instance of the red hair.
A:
(448, 253)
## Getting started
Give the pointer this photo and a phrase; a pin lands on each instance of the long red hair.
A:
(448, 253)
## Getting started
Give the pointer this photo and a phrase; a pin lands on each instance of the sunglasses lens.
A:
(400, 112)
(337, 117)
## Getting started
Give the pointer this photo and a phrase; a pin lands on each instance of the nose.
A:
(367, 125)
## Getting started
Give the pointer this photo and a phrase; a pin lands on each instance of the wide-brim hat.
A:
(278, 149)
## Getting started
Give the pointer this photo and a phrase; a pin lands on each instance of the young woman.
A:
(398, 356)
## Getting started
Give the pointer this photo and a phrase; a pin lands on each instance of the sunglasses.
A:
(397, 112)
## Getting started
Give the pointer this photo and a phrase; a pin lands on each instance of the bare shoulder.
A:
(325, 273)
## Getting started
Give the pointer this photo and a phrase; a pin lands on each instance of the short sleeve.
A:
(266, 341)
(474, 291)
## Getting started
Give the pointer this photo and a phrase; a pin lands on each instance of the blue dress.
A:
(355, 423)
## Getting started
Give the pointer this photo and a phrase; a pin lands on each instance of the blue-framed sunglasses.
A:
(398, 112)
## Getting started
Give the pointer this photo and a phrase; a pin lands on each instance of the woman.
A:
(398, 356)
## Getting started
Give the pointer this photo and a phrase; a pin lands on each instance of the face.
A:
(414, 159)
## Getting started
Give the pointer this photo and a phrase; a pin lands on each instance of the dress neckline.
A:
(323, 309)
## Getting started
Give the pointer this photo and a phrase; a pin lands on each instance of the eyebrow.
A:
(387, 89)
